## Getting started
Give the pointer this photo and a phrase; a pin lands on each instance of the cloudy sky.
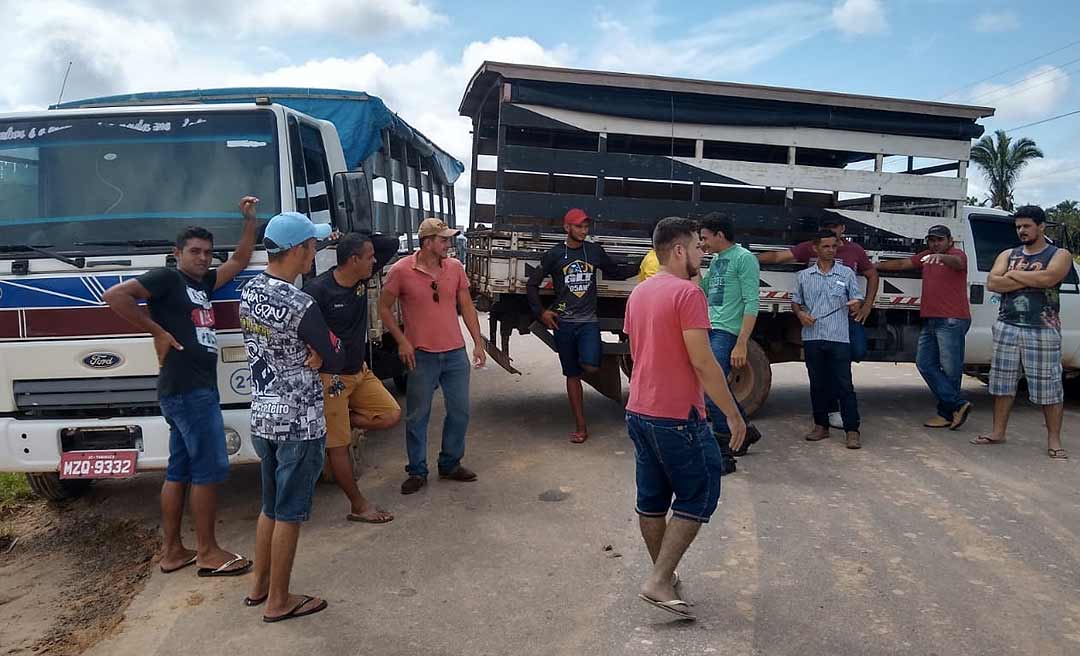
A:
(417, 55)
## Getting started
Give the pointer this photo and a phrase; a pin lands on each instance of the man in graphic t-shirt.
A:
(1027, 334)
(287, 342)
(181, 320)
(946, 318)
(667, 319)
(572, 266)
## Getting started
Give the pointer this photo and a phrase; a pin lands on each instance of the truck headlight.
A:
(232, 441)
(234, 354)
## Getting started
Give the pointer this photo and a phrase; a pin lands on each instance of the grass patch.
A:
(14, 490)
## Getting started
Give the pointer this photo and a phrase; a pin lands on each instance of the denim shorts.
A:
(196, 437)
(677, 457)
(578, 344)
(290, 469)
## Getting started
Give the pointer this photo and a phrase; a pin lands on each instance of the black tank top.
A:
(1032, 307)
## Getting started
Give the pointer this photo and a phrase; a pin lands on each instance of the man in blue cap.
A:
(287, 342)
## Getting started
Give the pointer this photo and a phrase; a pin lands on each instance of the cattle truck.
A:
(632, 149)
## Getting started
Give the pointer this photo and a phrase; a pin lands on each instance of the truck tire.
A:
(49, 486)
(750, 384)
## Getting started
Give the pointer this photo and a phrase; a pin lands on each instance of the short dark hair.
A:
(823, 234)
(1033, 212)
(351, 244)
(669, 232)
(719, 224)
(831, 219)
(192, 232)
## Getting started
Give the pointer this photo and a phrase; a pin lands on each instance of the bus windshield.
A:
(68, 181)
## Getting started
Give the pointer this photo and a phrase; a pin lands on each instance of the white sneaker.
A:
(836, 420)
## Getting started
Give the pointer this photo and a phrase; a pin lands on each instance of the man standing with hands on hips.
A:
(946, 318)
(432, 288)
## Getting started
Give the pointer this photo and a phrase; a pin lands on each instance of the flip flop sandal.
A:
(251, 603)
(353, 517)
(578, 437)
(295, 612)
(179, 567)
(1057, 454)
(224, 569)
(675, 606)
(983, 440)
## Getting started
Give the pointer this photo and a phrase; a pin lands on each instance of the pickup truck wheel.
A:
(49, 485)
(750, 384)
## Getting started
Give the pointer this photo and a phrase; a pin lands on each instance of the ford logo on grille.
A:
(102, 360)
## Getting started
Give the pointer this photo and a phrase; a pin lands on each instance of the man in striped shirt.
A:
(825, 294)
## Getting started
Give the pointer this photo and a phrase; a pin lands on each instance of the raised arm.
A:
(242, 255)
(900, 264)
(996, 280)
(713, 380)
(1048, 277)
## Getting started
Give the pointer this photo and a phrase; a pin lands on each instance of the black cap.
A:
(831, 219)
(939, 231)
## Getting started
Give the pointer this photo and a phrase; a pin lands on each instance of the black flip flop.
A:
(353, 517)
(251, 603)
(295, 611)
(224, 569)
(179, 567)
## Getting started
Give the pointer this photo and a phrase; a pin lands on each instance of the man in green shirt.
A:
(731, 286)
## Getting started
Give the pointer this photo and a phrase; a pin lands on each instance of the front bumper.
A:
(33, 445)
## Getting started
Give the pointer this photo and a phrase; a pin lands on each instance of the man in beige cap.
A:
(432, 288)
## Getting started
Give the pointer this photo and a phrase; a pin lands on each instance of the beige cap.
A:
(435, 227)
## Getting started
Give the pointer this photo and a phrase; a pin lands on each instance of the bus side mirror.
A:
(352, 196)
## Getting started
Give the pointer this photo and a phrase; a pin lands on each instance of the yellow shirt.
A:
(650, 266)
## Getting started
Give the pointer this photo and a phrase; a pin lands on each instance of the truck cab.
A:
(94, 192)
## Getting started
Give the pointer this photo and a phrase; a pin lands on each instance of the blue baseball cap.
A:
(290, 229)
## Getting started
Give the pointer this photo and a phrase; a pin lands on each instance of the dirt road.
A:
(917, 544)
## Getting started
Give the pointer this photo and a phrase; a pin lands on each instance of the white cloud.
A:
(723, 47)
(1035, 95)
(1047, 182)
(347, 17)
(859, 17)
(1004, 21)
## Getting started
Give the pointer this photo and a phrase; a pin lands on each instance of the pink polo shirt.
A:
(665, 384)
(429, 326)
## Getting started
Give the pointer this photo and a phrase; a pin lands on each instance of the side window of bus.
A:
(992, 235)
(318, 174)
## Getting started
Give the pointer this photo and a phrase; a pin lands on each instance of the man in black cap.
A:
(946, 318)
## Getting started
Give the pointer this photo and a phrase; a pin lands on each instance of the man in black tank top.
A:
(1027, 334)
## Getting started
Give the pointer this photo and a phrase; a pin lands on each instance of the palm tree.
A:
(1001, 160)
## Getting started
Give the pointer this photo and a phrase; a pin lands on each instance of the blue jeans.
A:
(676, 457)
(196, 437)
(289, 470)
(450, 371)
(722, 343)
(940, 359)
(578, 344)
(829, 366)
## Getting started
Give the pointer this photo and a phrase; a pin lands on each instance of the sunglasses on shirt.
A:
(435, 291)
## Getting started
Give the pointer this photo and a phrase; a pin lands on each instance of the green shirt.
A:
(731, 286)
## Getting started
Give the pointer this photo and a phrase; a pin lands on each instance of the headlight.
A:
(232, 441)
(234, 354)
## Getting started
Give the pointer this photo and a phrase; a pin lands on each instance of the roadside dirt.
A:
(67, 574)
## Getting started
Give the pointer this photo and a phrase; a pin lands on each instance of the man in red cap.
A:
(572, 266)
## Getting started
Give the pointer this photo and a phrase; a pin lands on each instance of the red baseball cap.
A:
(575, 217)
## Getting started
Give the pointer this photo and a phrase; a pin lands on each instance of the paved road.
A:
(917, 544)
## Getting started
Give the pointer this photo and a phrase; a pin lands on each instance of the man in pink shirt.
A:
(431, 288)
(667, 319)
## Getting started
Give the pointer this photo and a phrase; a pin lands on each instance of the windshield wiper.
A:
(77, 262)
(138, 243)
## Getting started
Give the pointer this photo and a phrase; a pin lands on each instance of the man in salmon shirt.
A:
(667, 319)
(946, 318)
(432, 287)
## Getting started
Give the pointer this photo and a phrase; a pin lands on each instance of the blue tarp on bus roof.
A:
(359, 117)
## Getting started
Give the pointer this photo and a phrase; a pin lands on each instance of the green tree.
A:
(1001, 159)
(1066, 212)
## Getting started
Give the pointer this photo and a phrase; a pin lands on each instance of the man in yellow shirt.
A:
(650, 266)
